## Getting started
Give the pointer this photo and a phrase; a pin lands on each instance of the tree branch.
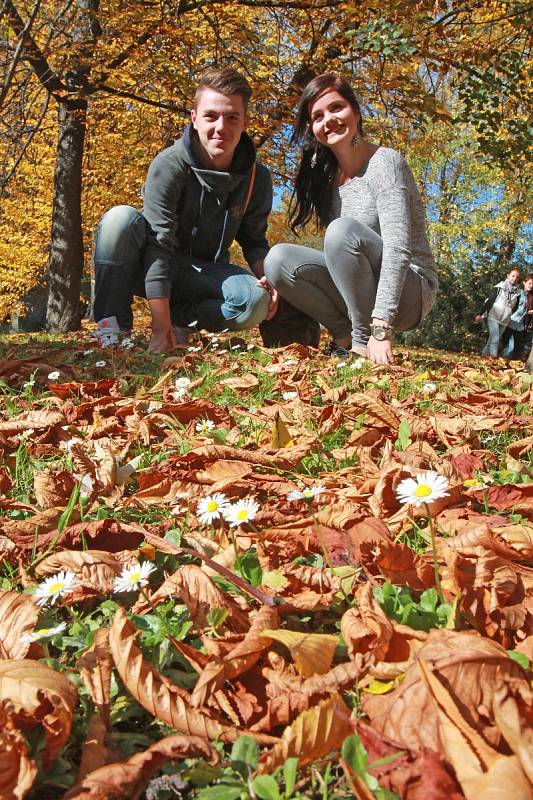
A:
(31, 52)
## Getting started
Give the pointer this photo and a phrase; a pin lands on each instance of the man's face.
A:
(513, 277)
(219, 120)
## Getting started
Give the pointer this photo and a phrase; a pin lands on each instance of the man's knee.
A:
(113, 233)
(246, 304)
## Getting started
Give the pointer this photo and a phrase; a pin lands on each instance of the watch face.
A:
(379, 333)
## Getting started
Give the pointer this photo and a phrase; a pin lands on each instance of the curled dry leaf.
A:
(312, 652)
(95, 751)
(17, 769)
(397, 563)
(127, 780)
(95, 666)
(198, 592)
(53, 488)
(94, 569)
(39, 696)
(472, 666)
(18, 618)
(158, 694)
(314, 734)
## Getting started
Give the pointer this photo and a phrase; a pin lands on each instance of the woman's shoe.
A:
(335, 350)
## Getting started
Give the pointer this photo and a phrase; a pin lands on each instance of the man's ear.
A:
(193, 117)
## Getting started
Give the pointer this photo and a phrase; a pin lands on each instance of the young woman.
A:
(376, 273)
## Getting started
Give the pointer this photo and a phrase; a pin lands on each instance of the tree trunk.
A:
(65, 265)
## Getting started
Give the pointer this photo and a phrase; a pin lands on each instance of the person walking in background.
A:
(523, 337)
(376, 273)
(498, 309)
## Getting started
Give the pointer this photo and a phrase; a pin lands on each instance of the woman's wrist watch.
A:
(381, 332)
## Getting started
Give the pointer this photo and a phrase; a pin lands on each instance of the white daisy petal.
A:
(55, 586)
(211, 507)
(429, 388)
(54, 376)
(308, 493)
(425, 488)
(43, 633)
(132, 578)
(205, 426)
(241, 512)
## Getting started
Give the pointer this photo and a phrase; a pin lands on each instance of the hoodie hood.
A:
(217, 181)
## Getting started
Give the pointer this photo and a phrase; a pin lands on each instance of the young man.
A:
(497, 310)
(201, 194)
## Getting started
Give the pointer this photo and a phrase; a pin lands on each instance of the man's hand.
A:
(380, 352)
(163, 337)
(478, 318)
(274, 296)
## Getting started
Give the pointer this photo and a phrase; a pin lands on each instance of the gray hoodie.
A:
(193, 211)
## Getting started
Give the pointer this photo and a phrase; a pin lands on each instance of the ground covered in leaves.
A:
(210, 588)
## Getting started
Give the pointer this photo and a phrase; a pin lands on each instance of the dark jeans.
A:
(215, 296)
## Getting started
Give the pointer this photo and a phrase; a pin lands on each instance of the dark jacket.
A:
(193, 211)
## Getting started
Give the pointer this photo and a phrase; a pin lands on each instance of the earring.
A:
(355, 140)
(314, 158)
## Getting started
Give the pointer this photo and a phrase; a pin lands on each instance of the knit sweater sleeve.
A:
(394, 213)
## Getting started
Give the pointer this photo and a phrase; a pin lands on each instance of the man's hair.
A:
(224, 80)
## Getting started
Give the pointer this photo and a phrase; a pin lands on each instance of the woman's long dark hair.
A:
(313, 188)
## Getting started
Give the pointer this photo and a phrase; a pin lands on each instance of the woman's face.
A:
(332, 119)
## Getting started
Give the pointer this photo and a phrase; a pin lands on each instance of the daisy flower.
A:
(358, 363)
(306, 494)
(43, 633)
(182, 383)
(193, 324)
(212, 507)
(205, 426)
(127, 344)
(240, 512)
(289, 362)
(289, 395)
(425, 488)
(341, 364)
(54, 376)
(100, 364)
(132, 578)
(429, 388)
(54, 587)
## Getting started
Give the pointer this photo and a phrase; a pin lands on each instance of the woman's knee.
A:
(278, 263)
(341, 229)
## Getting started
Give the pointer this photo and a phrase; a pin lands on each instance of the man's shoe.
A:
(334, 350)
(109, 332)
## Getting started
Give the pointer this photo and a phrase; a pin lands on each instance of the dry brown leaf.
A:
(95, 666)
(17, 769)
(18, 618)
(53, 488)
(95, 569)
(314, 734)
(245, 382)
(198, 592)
(39, 696)
(472, 668)
(158, 694)
(397, 563)
(127, 780)
(312, 652)
(95, 751)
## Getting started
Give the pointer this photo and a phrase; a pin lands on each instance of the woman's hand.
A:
(380, 352)
(274, 296)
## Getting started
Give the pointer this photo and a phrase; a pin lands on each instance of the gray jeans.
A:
(338, 287)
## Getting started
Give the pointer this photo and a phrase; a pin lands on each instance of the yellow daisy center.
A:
(242, 514)
(212, 505)
(135, 576)
(423, 490)
(55, 587)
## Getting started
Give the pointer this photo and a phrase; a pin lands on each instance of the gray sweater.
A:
(386, 198)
